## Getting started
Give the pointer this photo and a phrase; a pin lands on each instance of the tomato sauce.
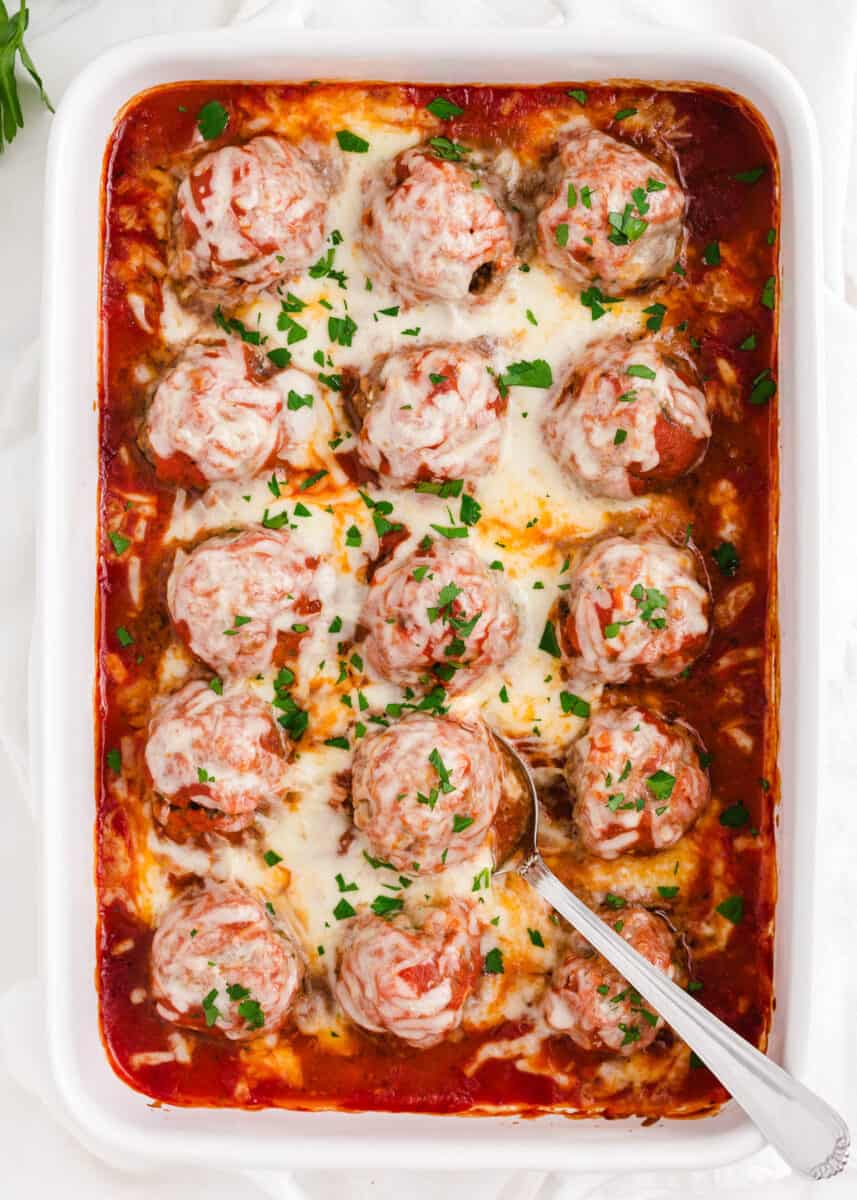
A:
(715, 139)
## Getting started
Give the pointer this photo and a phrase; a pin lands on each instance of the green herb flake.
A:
(493, 962)
(211, 120)
(344, 910)
(444, 109)
(573, 705)
(350, 142)
(549, 642)
(751, 176)
(734, 816)
(732, 908)
(726, 557)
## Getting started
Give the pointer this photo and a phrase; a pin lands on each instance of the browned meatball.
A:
(612, 215)
(219, 962)
(636, 781)
(628, 418)
(590, 1001)
(432, 233)
(637, 608)
(410, 976)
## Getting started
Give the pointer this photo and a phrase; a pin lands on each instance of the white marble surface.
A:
(39, 1157)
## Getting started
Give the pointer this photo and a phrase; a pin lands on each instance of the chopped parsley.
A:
(732, 908)
(350, 142)
(211, 120)
(494, 962)
(726, 557)
(444, 109)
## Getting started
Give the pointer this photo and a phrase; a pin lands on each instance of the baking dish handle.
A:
(809, 1134)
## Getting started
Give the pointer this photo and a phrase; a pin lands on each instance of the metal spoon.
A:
(809, 1134)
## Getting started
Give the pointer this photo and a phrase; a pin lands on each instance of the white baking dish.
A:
(112, 1113)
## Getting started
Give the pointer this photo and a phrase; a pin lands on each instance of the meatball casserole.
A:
(429, 412)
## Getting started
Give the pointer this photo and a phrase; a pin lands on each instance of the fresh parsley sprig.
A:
(12, 30)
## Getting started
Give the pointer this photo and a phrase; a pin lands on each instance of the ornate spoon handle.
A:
(807, 1132)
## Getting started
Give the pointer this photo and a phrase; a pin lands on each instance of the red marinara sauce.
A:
(718, 303)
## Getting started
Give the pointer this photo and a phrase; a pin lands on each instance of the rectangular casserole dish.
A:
(63, 740)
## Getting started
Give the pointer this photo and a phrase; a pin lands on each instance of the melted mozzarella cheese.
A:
(530, 510)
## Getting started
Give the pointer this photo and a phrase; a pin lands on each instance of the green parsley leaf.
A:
(383, 906)
(444, 109)
(668, 893)
(536, 938)
(749, 343)
(624, 113)
(251, 1012)
(460, 823)
(640, 371)
(751, 176)
(711, 254)
(769, 292)
(351, 142)
(471, 511)
(216, 685)
(577, 94)
(549, 642)
(271, 857)
(120, 543)
(211, 120)
(447, 150)
(619, 437)
(656, 317)
(209, 1008)
(732, 908)
(493, 962)
(280, 356)
(573, 705)
(561, 234)
(114, 761)
(123, 636)
(726, 557)
(734, 816)
(536, 374)
(344, 910)
(661, 785)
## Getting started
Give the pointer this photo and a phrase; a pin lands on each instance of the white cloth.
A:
(37, 1141)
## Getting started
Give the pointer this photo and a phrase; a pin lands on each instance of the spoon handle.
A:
(807, 1132)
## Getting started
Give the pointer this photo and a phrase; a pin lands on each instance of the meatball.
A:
(637, 782)
(637, 608)
(425, 791)
(408, 979)
(433, 413)
(213, 758)
(612, 214)
(213, 417)
(435, 233)
(221, 962)
(437, 615)
(628, 417)
(591, 1003)
(236, 599)
(247, 217)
